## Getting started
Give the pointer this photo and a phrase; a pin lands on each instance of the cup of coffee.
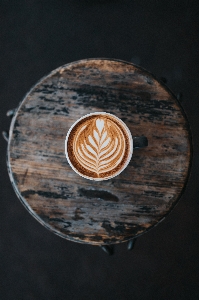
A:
(99, 146)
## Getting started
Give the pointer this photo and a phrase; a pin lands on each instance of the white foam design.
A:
(103, 149)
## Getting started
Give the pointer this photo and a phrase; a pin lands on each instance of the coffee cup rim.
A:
(130, 142)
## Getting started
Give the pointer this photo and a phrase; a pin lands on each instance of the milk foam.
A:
(99, 145)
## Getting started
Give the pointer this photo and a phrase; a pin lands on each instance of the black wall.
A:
(35, 38)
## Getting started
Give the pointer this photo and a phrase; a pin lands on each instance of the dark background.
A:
(39, 36)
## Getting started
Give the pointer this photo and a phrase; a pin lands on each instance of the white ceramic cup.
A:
(99, 146)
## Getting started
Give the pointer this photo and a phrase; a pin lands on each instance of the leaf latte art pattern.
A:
(98, 146)
(102, 150)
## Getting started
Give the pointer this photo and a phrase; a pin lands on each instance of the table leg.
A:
(108, 249)
(131, 244)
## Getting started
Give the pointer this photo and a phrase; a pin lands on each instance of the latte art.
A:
(99, 146)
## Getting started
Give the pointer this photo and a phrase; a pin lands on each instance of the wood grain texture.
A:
(109, 211)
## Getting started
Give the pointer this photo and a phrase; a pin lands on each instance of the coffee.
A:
(99, 146)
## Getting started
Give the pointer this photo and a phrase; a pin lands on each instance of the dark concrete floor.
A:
(35, 38)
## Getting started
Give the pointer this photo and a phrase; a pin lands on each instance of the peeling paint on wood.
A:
(109, 211)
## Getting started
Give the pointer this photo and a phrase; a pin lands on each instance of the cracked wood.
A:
(109, 211)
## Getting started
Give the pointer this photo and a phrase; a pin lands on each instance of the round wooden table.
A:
(118, 209)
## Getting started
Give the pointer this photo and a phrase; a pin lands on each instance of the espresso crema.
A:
(99, 146)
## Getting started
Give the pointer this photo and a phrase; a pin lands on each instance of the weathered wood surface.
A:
(109, 211)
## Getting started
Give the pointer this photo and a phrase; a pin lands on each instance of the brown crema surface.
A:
(98, 146)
